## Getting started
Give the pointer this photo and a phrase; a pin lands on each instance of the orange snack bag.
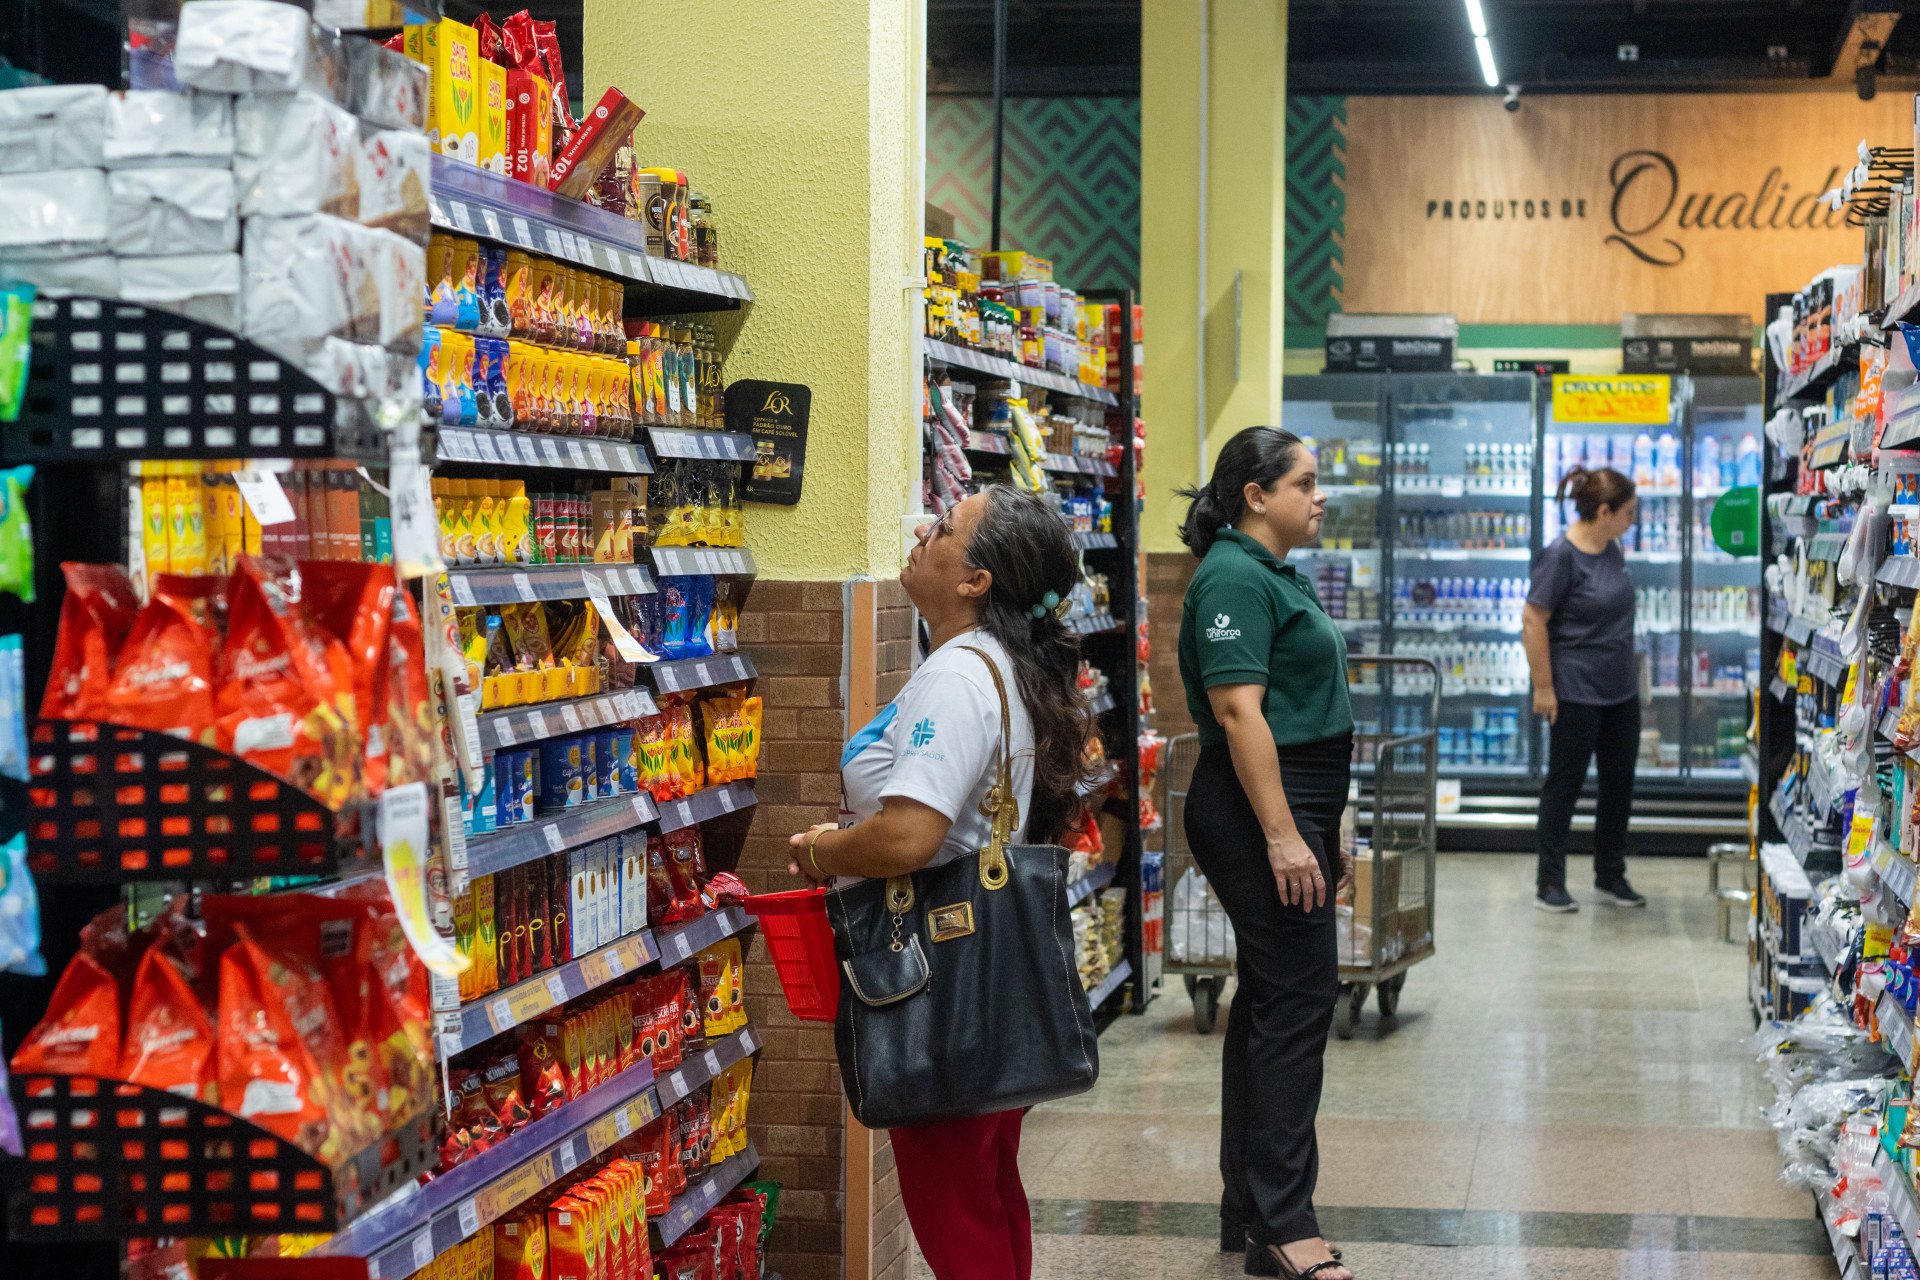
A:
(353, 602)
(169, 1040)
(165, 677)
(287, 690)
(81, 1033)
(95, 615)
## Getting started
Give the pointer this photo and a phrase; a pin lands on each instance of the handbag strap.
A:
(1000, 804)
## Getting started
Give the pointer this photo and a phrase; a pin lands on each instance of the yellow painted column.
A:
(802, 123)
(1244, 45)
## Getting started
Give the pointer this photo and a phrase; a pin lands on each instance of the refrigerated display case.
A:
(1724, 446)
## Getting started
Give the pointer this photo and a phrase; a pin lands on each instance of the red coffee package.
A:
(164, 680)
(169, 1040)
(353, 603)
(81, 1033)
(95, 615)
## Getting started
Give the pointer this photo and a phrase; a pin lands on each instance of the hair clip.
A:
(1049, 603)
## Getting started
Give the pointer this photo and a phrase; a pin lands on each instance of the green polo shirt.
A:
(1252, 619)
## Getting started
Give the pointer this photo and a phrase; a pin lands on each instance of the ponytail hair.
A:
(1592, 490)
(1024, 544)
(1255, 455)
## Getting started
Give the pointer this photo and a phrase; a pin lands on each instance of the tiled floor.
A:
(1563, 1096)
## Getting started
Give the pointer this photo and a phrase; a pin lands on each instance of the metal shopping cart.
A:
(1387, 928)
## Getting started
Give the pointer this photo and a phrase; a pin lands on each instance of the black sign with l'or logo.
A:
(775, 413)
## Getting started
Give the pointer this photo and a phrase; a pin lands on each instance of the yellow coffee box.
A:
(493, 116)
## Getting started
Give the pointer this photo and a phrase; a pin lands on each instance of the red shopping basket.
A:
(801, 942)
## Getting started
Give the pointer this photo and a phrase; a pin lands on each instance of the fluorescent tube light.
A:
(1488, 71)
(1476, 19)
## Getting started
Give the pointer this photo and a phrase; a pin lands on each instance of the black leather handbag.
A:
(959, 993)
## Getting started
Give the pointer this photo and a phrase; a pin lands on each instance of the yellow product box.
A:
(493, 116)
(451, 53)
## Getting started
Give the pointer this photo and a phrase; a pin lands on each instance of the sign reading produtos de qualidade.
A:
(1625, 400)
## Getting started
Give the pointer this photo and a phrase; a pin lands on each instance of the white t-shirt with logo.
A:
(938, 742)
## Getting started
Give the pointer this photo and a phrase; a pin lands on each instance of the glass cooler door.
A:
(1656, 548)
(1722, 616)
(1460, 507)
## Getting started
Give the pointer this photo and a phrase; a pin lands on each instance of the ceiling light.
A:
(1488, 71)
(1476, 19)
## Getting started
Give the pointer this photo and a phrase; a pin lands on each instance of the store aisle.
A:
(1564, 1096)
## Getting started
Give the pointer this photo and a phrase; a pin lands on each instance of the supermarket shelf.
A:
(1830, 446)
(1901, 308)
(511, 584)
(1750, 766)
(1823, 667)
(1091, 883)
(516, 726)
(1900, 571)
(478, 202)
(698, 1069)
(1101, 703)
(705, 805)
(1815, 381)
(700, 673)
(1088, 624)
(1351, 490)
(1826, 546)
(1099, 781)
(988, 442)
(1104, 991)
(948, 353)
(483, 1019)
(1903, 418)
(1900, 1202)
(1896, 872)
(1458, 487)
(676, 943)
(684, 561)
(403, 1238)
(1094, 541)
(713, 446)
(491, 852)
(1462, 553)
(1844, 1256)
(1073, 464)
(697, 1201)
(526, 449)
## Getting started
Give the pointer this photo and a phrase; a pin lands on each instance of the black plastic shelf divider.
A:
(481, 1020)
(705, 805)
(1088, 624)
(1074, 464)
(107, 804)
(1102, 702)
(948, 353)
(110, 382)
(477, 202)
(1091, 883)
(404, 1238)
(1816, 380)
(534, 449)
(491, 852)
(696, 1202)
(735, 562)
(699, 1068)
(675, 944)
(701, 673)
(112, 1161)
(1094, 541)
(1107, 986)
(521, 584)
(713, 446)
(516, 726)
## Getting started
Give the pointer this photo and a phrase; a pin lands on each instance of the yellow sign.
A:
(1625, 399)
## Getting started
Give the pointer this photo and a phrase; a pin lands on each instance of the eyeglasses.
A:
(941, 527)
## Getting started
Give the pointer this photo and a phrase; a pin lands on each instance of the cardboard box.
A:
(590, 149)
(1375, 876)
(493, 116)
(451, 53)
(529, 128)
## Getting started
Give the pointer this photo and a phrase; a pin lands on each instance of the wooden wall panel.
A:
(1577, 209)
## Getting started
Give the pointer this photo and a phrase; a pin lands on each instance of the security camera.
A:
(1512, 100)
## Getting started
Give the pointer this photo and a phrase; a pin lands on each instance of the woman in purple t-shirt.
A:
(1578, 633)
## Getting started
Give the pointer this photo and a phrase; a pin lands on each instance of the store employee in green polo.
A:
(1265, 672)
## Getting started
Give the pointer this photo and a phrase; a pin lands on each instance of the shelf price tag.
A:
(599, 456)
(264, 496)
(503, 731)
(713, 1063)
(640, 809)
(462, 589)
(556, 988)
(528, 454)
(469, 1212)
(570, 717)
(487, 451)
(422, 1249)
(703, 673)
(462, 220)
(492, 221)
(681, 947)
(523, 588)
(616, 966)
(500, 1015)
(537, 724)
(623, 1121)
(522, 233)
(550, 450)
(569, 1160)
(726, 798)
(575, 454)
(555, 841)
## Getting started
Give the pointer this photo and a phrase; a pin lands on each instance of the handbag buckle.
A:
(948, 923)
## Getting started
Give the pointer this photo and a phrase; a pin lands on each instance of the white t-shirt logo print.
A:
(1222, 628)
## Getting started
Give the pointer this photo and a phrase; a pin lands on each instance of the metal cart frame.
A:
(1402, 827)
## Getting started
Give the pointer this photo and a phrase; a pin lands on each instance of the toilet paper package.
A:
(204, 286)
(298, 274)
(295, 153)
(395, 172)
(96, 275)
(256, 46)
(56, 213)
(51, 127)
(151, 127)
(172, 211)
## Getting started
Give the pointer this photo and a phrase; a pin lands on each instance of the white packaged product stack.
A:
(1200, 932)
(294, 213)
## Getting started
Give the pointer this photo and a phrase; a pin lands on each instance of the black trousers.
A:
(1289, 976)
(1584, 733)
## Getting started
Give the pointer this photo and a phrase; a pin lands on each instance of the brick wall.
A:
(795, 632)
(1168, 573)
(890, 1238)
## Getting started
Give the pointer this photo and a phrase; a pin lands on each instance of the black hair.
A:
(1255, 455)
(1023, 543)
(1592, 490)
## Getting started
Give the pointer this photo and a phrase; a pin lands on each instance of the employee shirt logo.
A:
(923, 732)
(1221, 628)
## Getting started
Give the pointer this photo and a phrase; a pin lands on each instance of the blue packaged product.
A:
(589, 768)
(623, 755)
(560, 774)
(485, 812)
(19, 913)
(606, 758)
(676, 614)
(699, 610)
(527, 774)
(506, 791)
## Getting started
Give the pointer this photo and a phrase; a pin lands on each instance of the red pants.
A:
(960, 1182)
